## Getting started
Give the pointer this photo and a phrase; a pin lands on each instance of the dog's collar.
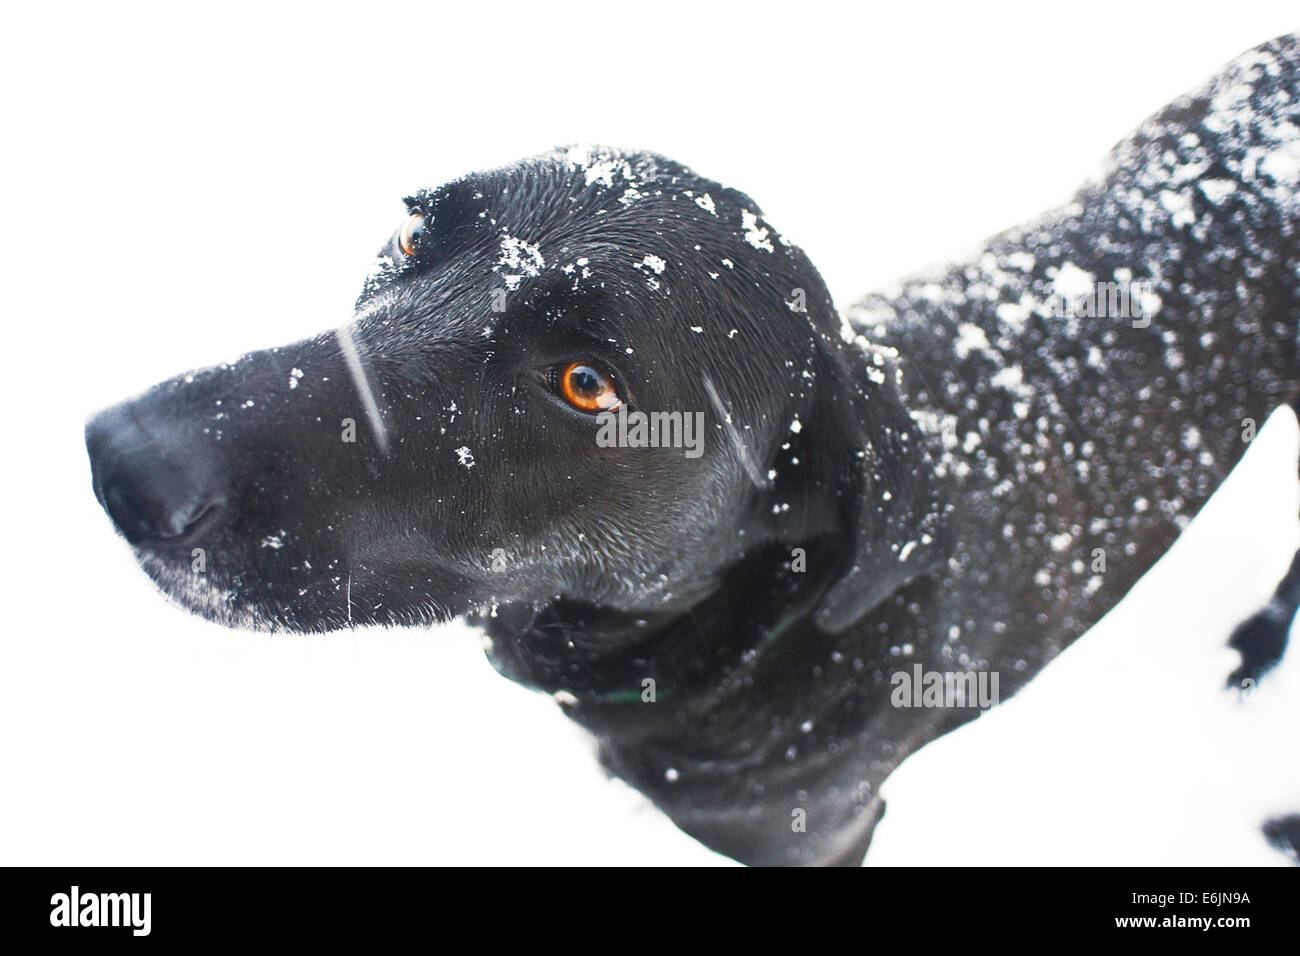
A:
(633, 696)
(597, 659)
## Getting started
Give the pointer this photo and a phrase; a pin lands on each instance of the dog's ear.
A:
(890, 495)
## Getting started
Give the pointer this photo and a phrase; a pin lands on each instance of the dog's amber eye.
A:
(588, 387)
(412, 229)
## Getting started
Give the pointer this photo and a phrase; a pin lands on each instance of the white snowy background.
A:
(184, 184)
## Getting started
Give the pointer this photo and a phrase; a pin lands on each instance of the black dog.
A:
(965, 476)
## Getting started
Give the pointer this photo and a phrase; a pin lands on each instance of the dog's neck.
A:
(600, 655)
(671, 699)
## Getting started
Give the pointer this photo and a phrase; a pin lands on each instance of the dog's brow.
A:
(362, 385)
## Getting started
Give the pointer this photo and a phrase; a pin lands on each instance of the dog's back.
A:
(1091, 378)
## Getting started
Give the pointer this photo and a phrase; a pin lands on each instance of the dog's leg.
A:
(1284, 833)
(1262, 638)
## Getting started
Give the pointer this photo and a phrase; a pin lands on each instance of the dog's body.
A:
(958, 478)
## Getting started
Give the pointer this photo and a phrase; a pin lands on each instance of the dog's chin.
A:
(316, 606)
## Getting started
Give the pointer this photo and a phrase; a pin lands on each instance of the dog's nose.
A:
(150, 480)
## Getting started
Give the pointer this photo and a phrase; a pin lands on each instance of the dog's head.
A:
(452, 447)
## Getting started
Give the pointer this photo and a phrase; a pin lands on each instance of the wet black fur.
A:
(594, 569)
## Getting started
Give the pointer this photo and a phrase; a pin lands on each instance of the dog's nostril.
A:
(154, 490)
(185, 519)
(153, 512)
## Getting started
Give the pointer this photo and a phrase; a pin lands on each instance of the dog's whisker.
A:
(362, 384)
(737, 440)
